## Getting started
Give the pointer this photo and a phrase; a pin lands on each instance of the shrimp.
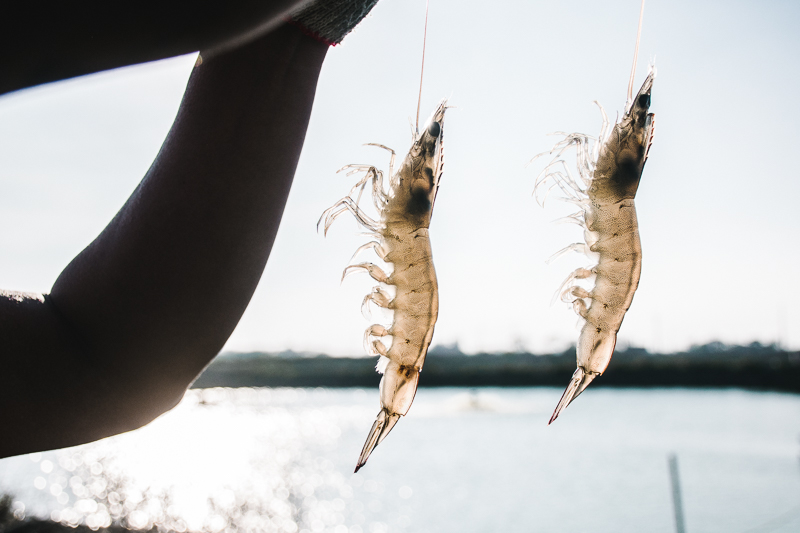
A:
(401, 239)
(609, 169)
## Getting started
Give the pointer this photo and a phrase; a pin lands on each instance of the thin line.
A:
(635, 55)
(422, 69)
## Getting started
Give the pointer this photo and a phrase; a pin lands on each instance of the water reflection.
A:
(225, 460)
(280, 460)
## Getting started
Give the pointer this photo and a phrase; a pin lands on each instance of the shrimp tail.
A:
(382, 426)
(580, 380)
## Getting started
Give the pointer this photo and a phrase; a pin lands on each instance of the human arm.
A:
(143, 309)
(41, 44)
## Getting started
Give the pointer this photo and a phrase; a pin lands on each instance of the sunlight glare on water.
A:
(463, 460)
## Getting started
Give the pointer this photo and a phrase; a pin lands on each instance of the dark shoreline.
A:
(752, 367)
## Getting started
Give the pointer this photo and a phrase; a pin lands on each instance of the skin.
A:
(69, 39)
(138, 314)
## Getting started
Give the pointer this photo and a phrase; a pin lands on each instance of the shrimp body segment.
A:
(410, 290)
(609, 169)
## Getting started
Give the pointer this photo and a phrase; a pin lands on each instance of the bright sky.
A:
(717, 203)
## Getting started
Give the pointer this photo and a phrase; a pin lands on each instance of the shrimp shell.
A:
(401, 239)
(609, 170)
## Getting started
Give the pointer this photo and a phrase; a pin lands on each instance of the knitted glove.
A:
(329, 21)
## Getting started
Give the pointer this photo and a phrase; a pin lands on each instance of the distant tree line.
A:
(715, 364)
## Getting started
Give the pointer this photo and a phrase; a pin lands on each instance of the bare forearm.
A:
(151, 301)
(170, 276)
(41, 44)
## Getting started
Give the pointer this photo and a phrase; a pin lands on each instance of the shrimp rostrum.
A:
(609, 170)
(409, 289)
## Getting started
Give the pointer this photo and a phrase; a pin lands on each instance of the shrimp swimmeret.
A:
(609, 170)
(402, 241)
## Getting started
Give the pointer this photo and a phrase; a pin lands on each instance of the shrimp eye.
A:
(434, 129)
(644, 101)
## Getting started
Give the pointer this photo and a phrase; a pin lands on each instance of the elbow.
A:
(135, 401)
(144, 405)
(121, 377)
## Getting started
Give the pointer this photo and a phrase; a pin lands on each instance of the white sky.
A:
(717, 204)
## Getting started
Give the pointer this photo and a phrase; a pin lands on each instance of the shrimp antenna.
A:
(635, 57)
(422, 69)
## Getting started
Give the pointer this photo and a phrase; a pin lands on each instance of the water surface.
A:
(461, 461)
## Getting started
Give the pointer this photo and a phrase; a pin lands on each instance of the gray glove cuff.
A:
(330, 20)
